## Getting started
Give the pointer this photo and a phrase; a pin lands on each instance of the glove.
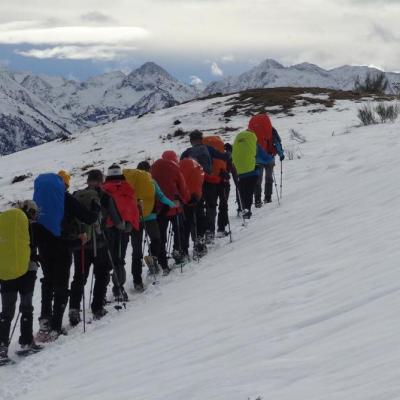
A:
(281, 157)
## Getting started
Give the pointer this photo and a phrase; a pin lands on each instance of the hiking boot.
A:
(74, 316)
(247, 214)
(43, 334)
(4, 359)
(27, 349)
(258, 204)
(209, 237)
(139, 287)
(222, 234)
(99, 314)
(267, 200)
(199, 250)
(178, 257)
(166, 271)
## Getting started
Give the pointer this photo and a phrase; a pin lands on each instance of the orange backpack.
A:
(218, 165)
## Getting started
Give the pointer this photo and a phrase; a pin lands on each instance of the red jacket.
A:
(171, 181)
(261, 125)
(125, 200)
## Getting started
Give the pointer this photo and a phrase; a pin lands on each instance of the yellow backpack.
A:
(15, 249)
(142, 184)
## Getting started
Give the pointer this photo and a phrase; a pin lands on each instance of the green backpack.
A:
(244, 152)
(75, 227)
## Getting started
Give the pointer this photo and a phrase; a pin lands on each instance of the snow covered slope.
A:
(272, 74)
(75, 105)
(302, 305)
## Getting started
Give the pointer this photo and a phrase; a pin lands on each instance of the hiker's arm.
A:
(161, 196)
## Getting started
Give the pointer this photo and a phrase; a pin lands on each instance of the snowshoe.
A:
(4, 359)
(199, 250)
(258, 204)
(267, 200)
(43, 335)
(178, 257)
(120, 295)
(222, 234)
(247, 214)
(152, 264)
(99, 314)
(166, 271)
(139, 287)
(74, 317)
(28, 349)
(209, 237)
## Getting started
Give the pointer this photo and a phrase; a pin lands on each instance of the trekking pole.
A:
(281, 176)
(95, 256)
(227, 214)
(179, 238)
(276, 187)
(195, 239)
(14, 327)
(169, 239)
(239, 197)
(83, 279)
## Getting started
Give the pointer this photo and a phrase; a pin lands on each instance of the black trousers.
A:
(247, 187)
(101, 271)
(24, 286)
(210, 194)
(268, 183)
(118, 243)
(223, 190)
(178, 231)
(56, 260)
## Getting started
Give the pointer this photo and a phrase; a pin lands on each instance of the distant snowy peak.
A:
(270, 73)
(43, 106)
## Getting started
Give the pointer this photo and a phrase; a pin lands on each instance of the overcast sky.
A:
(195, 39)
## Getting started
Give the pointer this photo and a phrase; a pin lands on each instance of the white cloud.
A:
(105, 53)
(216, 70)
(228, 58)
(72, 35)
(196, 81)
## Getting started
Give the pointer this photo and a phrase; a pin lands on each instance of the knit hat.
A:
(66, 177)
(114, 170)
(196, 135)
(95, 175)
(144, 166)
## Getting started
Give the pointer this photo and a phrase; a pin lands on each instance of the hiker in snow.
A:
(193, 173)
(22, 221)
(246, 155)
(217, 185)
(142, 183)
(125, 200)
(205, 155)
(94, 252)
(57, 209)
(168, 176)
(270, 141)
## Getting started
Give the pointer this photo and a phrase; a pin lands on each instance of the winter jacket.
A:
(171, 181)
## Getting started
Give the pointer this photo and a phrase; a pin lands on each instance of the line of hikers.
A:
(163, 205)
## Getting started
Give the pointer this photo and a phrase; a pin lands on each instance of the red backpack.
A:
(261, 125)
(171, 181)
(193, 173)
(125, 201)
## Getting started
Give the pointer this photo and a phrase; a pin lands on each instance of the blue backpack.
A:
(49, 195)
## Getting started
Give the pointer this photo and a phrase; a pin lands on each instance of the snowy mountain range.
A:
(271, 74)
(303, 305)
(36, 109)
